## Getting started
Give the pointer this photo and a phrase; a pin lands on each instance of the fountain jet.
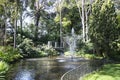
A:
(71, 41)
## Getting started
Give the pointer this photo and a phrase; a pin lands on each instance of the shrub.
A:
(115, 46)
(85, 48)
(67, 53)
(50, 51)
(3, 67)
(26, 47)
(9, 54)
(28, 50)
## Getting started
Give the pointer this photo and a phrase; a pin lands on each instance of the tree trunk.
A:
(83, 20)
(21, 22)
(5, 32)
(15, 29)
(37, 15)
(60, 29)
(86, 28)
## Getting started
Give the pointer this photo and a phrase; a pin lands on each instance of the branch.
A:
(78, 8)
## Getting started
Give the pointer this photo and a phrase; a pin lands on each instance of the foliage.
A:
(84, 55)
(103, 29)
(85, 47)
(50, 51)
(9, 54)
(108, 72)
(28, 49)
(118, 17)
(3, 67)
(88, 55)
(116, 49)
(67, 53)
(87, 50)
(70, 18)
(103, 26)
(28, 31)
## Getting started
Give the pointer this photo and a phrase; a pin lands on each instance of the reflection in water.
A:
(61, 60)
(25, 75)
(70, 66)
(41, 69)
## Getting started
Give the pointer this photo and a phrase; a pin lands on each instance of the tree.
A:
(103, 26)
(9, 10)
(59, 7)
(70, 18)
(84, 8)
(40, 14)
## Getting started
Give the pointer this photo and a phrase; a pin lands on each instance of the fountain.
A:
(41, 69)
(48, 68)
(71, 41)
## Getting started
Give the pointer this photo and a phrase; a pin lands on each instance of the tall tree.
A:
(39, 7)
(103, 26)
(10, 11)
(59, 7)
(84, 8)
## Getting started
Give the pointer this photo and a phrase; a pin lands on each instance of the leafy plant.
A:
(85, 47)
(50, 51)
(9, 54)
(103, 26)
(116, 49)
(3, 67)
(27, 49)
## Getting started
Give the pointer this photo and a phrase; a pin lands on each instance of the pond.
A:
(42, 68)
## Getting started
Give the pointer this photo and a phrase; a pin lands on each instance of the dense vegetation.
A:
(26, 27)
(104, 29)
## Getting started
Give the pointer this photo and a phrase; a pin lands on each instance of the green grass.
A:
(108, 72)
(88, 56)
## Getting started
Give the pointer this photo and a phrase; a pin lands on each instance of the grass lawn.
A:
(108, 72)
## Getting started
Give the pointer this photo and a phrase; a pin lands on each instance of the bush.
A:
(86, 50)
(85, 47)
(115, 46)
(28, 50)
(3, 67)
(87, 55)
(67, 53)
(26, 47)
(9, 54)
(49, 51)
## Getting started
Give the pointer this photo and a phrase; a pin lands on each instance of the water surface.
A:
(42, 68)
